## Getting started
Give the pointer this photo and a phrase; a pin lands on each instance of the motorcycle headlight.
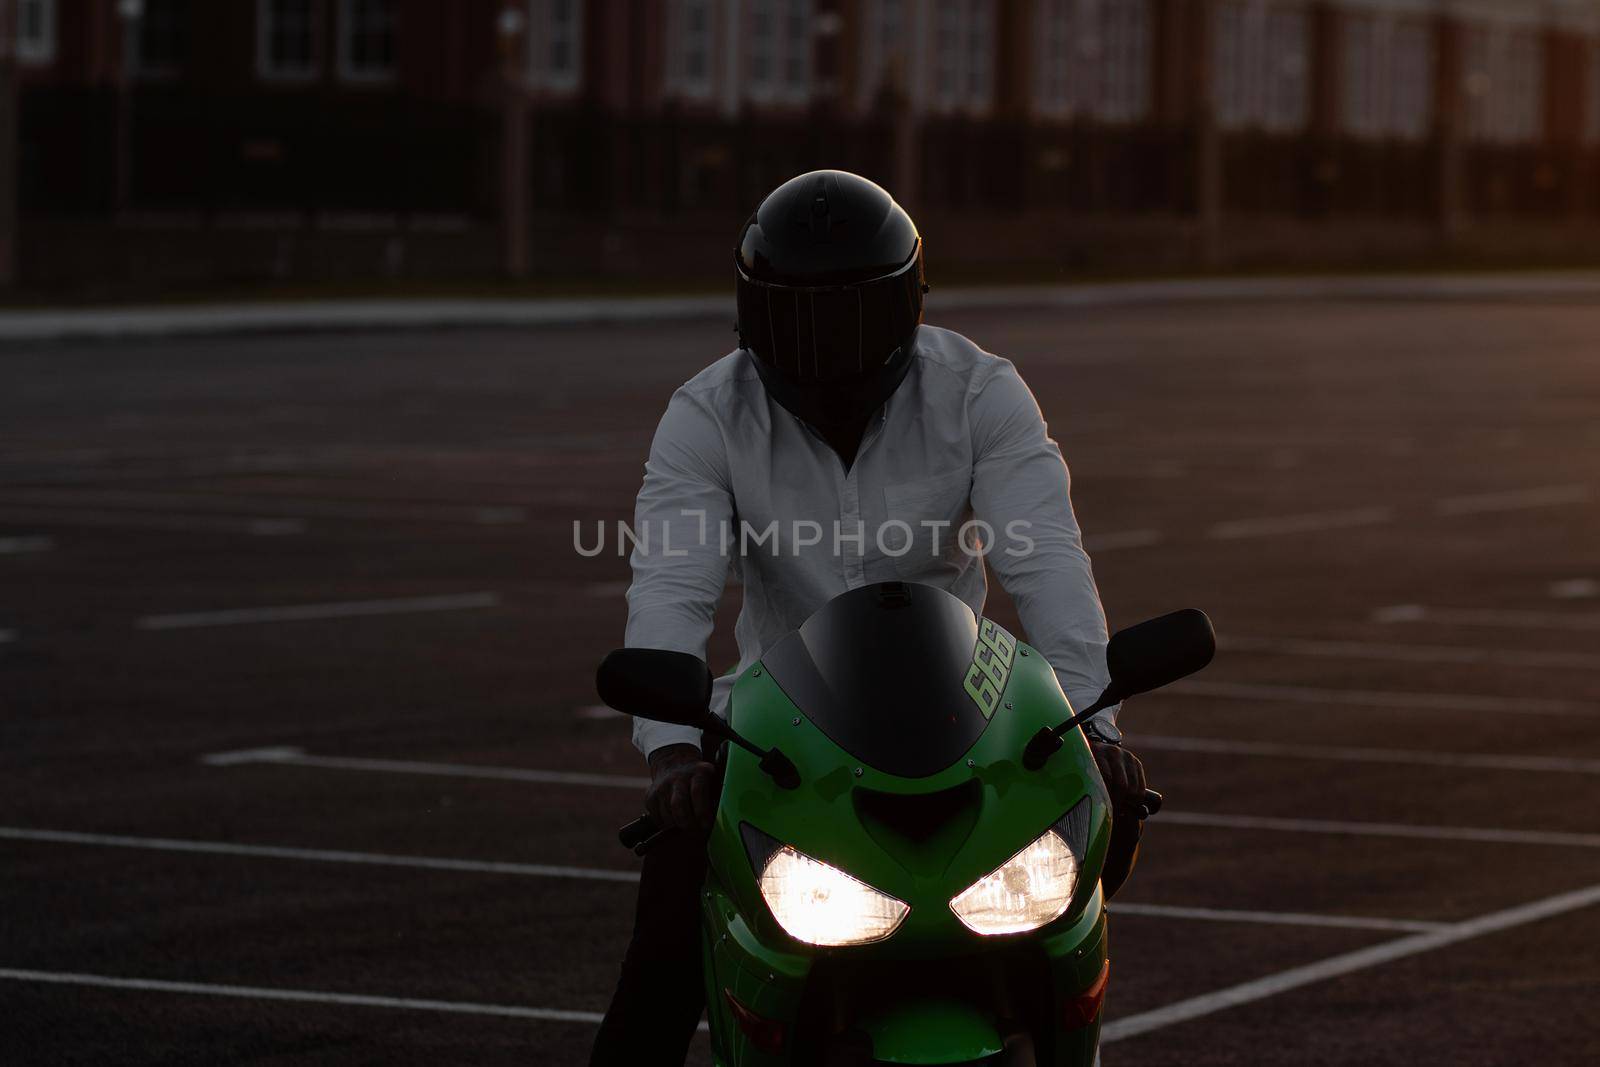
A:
(821, 905)
(1023, 893)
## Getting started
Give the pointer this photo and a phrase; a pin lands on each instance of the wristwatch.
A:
(1103, 731)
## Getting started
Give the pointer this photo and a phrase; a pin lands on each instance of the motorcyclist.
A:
(843, 442)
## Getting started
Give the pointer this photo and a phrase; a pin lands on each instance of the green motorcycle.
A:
(907, 859)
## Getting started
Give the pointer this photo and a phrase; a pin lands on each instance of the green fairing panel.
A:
(820, 817)
(933, 1031)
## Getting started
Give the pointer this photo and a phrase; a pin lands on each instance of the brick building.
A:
(189, 140)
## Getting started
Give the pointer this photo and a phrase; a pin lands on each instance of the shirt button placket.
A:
(850, 549)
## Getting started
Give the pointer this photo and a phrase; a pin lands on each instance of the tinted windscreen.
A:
(880, 670)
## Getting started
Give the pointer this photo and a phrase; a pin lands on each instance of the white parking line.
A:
(1114, 1030)
(130, 520)
(1342, 753)
(314, 855)
(306, 996)
(1506, 657)
(1112, 542)
(1574, 589)
(298, 612)
(1272, 526)
(538, 870)
(298, 757)
(15, 546)
(143, 501)
(1514, 500)
(1348, 963)
(1531, 620)
(1372, 698)
(1273, 918)
(1379, 829)
(1441, 833)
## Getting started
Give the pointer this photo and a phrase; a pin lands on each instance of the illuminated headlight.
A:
(821, 905)
(1023, 893)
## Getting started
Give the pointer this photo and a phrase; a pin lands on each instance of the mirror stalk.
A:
(1047, 741)
(773, 763)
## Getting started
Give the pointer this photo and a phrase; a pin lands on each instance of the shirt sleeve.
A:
(1021, 488)
(679, 568)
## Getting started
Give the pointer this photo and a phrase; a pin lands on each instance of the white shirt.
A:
(961, 440)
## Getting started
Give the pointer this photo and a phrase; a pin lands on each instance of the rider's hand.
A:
(1123, 773)
(683, 788)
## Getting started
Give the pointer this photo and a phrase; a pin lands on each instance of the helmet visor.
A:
(828, 333)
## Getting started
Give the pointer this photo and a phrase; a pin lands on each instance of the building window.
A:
(366, 40)
(1503, 75)
(286, 38)
(1093, 59)
(555, 44)
(780, 50)
(885, 50)
(797, 44)
(1591, 116)
(163, 37)
(963, 55)
(36, 31)
(689, 47)
(1260, 60)
(1387, 77)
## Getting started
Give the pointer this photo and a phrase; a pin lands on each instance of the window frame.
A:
(142, 67)
(966, 29)
(1502, 53)
(1251, 68)
(682, 84)
(314, 69)
(345, 31)
(542, 71)
(1591, 96)
(39, 51)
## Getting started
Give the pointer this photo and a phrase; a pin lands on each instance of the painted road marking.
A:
(1514, 500)
(463, 770)
(298, 757)
(1290, 524)
(306, 996)
(314, 855)
(132, 520)
(1274, 918)
(1372, 698)
(1408, 653)
(1112, 542)
(298, 612)
(297, 508)
(537, 870)
(1380, 829)
(1348, 963)
(1482, 760)
(1575, 589)
(1533, 620)
(15, 546)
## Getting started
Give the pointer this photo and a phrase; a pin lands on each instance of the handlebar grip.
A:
(1151, 804)
(641, 835)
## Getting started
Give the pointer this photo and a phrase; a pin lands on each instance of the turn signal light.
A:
(765, 1034)
(1081, 1010)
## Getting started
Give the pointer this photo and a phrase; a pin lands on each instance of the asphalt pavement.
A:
(299, 758)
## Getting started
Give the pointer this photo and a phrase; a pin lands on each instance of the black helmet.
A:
(830, 284)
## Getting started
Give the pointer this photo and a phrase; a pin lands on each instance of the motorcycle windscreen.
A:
(882, 671)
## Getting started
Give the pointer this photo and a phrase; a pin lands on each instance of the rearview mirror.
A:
(656, 684)
(1159, 652)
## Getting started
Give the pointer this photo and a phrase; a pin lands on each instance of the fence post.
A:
(9, 114)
